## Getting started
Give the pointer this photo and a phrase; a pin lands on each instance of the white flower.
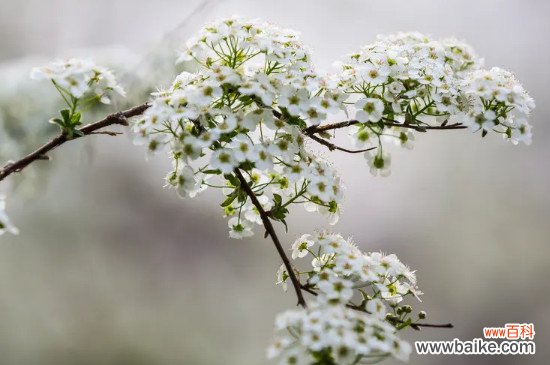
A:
(396, 87)
(5, 222)
(335, 289)
(252, 214)
(261, 157)
(186, 181)
(294, 100)
(301, 246)
(227, 122)
(379, 163)
(521, 132)
(338, 268)
(320, 187)
(374, 75)
(281, 48)
(224, 160)
(243, 148)
(297, 170)
(203, 95)
(344, 334)
(191, 147)
(239, 228)
(363, 136)
(369, 110)
(78, 77)
(377, 308)
(282, 276)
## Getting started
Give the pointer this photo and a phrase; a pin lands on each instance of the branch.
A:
(332, 146)
(271, 231)
(41, 153)
(311, 131)
(307, 288)
(388, 122)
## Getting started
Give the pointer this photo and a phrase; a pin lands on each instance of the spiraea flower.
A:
(334, 334)
(496, 101)
(411, 80)
(339, 269)
(246, 108)
(78, 77)
(241, 123)
(5, 223)
(334, 328)
(256, 96)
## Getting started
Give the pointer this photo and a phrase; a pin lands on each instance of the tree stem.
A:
(41, 153)
(271, 232)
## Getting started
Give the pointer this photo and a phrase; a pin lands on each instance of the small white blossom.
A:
(5, 223)
(239, 228)
(79, 77)
(369, 110)
(301, 246)
(379, 163)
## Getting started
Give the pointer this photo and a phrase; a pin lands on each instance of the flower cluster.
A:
(246, 108)
(5, 223)
(256, 99)
(339, 270)
(235, 41)
(81, 84)
(409, 82)
(334, 335)
(497, 102)
(241, 122)
(75, 78)
(335, 326)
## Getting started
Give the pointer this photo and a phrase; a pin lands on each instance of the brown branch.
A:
(271, 231)
(41, 153)
(307, 288)
(332, 146)
(446, 325)
(388, 122)
(311, 131)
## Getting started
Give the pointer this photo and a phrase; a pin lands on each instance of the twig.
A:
(332, 146)
(388, 122)
(108, 133)
(415, 326)
(446, 325)
(271, 231)
(41, 153)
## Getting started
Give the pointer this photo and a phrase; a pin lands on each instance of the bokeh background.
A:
(110, 268)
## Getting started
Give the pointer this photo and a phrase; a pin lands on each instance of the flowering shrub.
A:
(244, 122)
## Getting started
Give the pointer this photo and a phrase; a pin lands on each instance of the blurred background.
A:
(110, 268)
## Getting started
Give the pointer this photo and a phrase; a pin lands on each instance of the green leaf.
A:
(57, 121)
(286, 226)
(75, 119)
(212, 172)
(66, 114)
(232, 180)
(241, 196)
(247, 165)
(277, 199)
(230, 198)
